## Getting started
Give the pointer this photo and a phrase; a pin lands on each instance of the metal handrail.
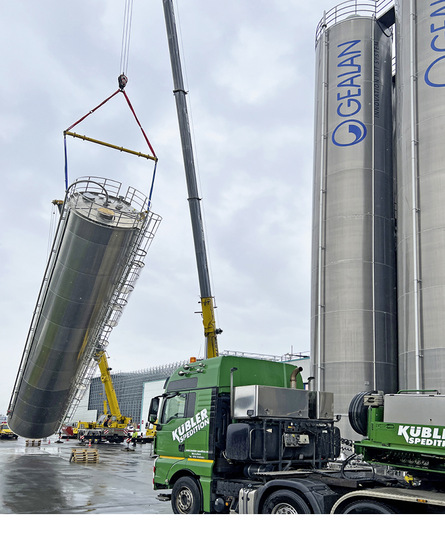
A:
(348, 8)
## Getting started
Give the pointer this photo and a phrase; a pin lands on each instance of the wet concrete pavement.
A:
(42, 480)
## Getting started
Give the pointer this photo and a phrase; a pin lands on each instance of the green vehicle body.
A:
(200, 461)
(410, 447)
(188, 440)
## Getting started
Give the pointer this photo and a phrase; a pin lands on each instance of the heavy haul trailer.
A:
(242, 436)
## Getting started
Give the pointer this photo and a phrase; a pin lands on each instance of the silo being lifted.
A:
(353, 301)
(97, 255)
(420, 134)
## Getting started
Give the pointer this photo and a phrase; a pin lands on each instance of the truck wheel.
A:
(367, 506)
(285, 502)
(186, 496)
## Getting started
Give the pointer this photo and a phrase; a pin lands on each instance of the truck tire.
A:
(367, 506)
(186, 496)
(285, 502)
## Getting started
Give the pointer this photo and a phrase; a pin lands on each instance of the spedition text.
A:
(191, 426)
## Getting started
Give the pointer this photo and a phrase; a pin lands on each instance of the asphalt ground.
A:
(43, 480)
(46, 498)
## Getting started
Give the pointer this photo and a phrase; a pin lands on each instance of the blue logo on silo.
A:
(350, 131)
(434, 74)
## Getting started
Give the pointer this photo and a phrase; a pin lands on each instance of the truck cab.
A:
(226, 421)
(6, 433)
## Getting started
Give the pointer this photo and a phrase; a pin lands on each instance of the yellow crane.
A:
(110, 394)
(112, 425)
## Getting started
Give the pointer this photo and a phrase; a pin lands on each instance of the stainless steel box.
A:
(321, 405)
(414, 409)
(263, 401)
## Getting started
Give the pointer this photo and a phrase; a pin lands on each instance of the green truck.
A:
(241, 435)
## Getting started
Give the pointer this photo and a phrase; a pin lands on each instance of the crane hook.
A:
(122, 80)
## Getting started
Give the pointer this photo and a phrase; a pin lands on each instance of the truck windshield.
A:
(174, 408)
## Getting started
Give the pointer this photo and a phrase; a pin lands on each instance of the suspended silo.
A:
(96, 257)
(420, 137)
(353, 302)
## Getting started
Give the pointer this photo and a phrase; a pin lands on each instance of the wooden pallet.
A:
(84, 455)
(33, 443)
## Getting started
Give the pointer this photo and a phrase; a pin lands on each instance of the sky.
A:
(249, 71)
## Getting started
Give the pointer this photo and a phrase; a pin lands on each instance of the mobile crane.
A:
(239, 435)
(112, 425)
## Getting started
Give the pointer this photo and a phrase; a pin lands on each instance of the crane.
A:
(110, 393)
(112, 425)
(206, 298)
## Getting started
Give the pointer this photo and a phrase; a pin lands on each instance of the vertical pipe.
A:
(374, 340)
(414, 196)
(321, 224)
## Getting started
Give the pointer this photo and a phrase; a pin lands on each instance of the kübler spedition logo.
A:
(350, 131)
(421, 435)
(191, 426)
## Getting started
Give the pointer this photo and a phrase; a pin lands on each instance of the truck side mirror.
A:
(153, 411)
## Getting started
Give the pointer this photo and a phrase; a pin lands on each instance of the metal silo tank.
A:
(353, 302)
(420, 133)
(94, 259)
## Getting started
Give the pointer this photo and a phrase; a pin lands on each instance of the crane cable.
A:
(122, 81)
(126, 35)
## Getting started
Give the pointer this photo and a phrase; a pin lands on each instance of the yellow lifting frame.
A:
(108, 145)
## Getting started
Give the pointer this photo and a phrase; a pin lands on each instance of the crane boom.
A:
(207, 302)
(110, 393)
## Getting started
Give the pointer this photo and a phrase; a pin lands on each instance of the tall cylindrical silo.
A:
(353, 301)
(93, 260)
(420, 134)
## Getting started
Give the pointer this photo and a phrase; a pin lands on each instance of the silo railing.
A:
(348, 8)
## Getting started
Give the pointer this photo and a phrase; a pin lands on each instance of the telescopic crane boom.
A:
(207, 302)
(110, 393)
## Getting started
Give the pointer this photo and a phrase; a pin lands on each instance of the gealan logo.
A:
(350, 131)
(191, 426)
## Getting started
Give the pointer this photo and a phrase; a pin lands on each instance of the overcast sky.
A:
(249, 70)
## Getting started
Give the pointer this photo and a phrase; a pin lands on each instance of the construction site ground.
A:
(44, 479)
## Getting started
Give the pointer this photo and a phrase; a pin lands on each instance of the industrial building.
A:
(134, 390)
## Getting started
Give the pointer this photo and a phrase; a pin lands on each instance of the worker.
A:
(134, 437)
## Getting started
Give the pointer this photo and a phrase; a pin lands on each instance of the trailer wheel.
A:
(285, 502)
(186, 496)
(367, 506)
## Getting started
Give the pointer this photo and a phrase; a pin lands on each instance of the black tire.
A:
(285, 502)
(186, 496)
(358, 413)
(367, 506)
